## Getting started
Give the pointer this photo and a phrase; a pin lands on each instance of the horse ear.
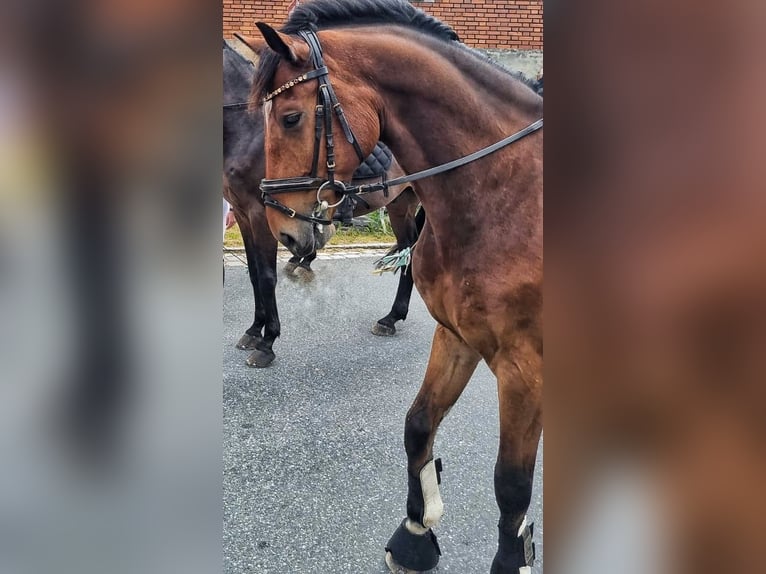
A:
(282, 44)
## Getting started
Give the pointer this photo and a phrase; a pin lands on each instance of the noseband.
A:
(327, 103)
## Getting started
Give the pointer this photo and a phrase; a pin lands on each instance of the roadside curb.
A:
(351, 246)
(234, 256)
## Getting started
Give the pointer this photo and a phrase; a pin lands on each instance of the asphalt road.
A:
(314, 463)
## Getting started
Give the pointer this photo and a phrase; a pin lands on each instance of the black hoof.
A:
(382, 330)
(248, 342)
(260, 359)
(412, 552)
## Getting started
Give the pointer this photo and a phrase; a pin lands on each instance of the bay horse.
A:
(243, 170)
(384, 70)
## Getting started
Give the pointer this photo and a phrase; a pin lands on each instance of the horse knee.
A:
(417, 431)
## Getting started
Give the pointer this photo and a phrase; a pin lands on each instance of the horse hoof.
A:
(305, 275)
(248, 342)
(382, 330)
(290, 267)
(260, 359)
(396, 568)
(412, 549)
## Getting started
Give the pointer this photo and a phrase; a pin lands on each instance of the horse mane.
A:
(319, 14)
(323, 14)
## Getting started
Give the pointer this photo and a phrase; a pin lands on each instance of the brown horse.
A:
(402, 78)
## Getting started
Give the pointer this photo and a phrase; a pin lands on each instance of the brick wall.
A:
(516, 24)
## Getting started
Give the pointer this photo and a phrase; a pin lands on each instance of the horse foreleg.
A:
(252, 335)
(520, 395)
(451, 364)
(265, 259)
(401, 212)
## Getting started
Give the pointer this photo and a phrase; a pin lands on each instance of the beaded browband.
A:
(294, 82)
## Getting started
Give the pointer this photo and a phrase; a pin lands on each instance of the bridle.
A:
(327, 104)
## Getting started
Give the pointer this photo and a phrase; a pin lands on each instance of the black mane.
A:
(323, 14)
(319, 14)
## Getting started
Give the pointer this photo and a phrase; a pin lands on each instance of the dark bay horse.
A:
(243, 170)
(392, 73)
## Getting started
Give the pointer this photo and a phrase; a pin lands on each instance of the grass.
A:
(379, 231)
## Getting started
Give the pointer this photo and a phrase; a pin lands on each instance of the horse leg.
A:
(413, 546)
(401, 212)
(252, 335)
(304, 271)
(265, 259)
(520, 395)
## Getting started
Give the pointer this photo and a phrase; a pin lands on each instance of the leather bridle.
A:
(327, 104)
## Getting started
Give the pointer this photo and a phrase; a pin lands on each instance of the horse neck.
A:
(449, 103)
(237, 81)
(238, 126)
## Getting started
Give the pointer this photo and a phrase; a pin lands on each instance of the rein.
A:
(327, 101)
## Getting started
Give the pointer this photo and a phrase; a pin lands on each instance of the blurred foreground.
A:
(110, 272)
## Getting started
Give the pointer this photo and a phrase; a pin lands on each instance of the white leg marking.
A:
(434, 507)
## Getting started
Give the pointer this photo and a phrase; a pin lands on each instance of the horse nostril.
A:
(235, 172)
(287, 240)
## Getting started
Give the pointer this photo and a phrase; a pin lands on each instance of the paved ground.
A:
(314, 463)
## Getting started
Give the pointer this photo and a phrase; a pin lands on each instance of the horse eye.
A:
(291, 120)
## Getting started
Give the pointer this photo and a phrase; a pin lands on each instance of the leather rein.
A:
(327, 103)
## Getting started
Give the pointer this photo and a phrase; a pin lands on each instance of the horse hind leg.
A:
(386, 327)
(252, 336)
(266, 263)
(519, 392)
(413, 546)
(406, 226)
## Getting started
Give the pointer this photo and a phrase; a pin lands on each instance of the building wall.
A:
(499, 24)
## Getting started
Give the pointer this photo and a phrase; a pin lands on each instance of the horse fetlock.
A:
(412, 548)
(516, 552)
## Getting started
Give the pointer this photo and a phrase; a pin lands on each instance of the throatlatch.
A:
(414, 545)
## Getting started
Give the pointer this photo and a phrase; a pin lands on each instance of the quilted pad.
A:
(376, 164)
